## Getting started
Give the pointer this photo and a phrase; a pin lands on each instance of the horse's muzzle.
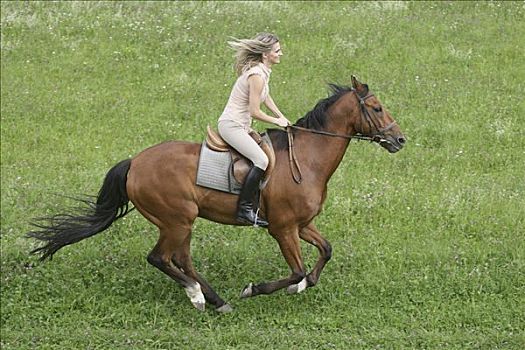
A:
(392, 143)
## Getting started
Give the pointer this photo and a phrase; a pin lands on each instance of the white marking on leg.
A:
(302, 285)
(194, 292)
(298, 288)
(247, 291)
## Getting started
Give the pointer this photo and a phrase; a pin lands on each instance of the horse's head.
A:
(376, 122)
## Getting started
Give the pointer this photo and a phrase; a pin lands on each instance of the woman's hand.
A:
(282, 122)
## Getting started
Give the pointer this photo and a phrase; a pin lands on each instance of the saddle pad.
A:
(214, 171)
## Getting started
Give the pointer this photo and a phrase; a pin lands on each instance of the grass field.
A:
(428, 244)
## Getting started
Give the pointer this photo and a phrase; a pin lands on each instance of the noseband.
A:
(378, 137)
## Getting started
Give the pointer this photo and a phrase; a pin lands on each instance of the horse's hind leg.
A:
(182, 259)
(161, 257)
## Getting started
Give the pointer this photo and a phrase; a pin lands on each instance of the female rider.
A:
(254, 59)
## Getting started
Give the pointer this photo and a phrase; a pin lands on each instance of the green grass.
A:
(428, 243)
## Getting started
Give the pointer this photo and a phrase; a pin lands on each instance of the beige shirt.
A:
(237, 108)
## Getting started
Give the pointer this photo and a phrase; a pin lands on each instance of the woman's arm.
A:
(256, 84)
(273, 107)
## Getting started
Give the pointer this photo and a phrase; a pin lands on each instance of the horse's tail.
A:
(94, 217)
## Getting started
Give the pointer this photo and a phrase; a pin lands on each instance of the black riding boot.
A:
(245, 212)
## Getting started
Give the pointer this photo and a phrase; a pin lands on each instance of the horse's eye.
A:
(378, 109)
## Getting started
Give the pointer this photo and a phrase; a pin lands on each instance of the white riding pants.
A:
(237, 137)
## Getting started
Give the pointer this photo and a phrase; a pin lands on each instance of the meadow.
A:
(428, 243)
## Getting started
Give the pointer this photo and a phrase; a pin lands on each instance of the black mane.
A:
(315, 119)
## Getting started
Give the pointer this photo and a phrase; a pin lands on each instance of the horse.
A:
(160, 183)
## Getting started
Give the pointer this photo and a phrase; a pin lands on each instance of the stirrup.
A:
(256, 219)
(256, 222)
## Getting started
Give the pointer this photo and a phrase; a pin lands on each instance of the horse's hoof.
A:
(247, 291)
(199, 306)
(297, 288)
(292, 289)
(226, 308)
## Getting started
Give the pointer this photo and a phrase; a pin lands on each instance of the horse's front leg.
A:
(290, 248)
(311, 235)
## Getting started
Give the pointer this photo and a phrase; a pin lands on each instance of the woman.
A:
(254, 59)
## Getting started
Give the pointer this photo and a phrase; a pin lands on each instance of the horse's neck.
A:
(331, 150)
(322, 154)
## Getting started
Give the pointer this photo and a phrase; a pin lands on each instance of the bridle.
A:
(365, 117)
(378, 136)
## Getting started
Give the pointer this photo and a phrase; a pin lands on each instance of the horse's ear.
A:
(355, 82)
(361, 88)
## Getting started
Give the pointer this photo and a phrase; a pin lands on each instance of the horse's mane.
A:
(315, 119)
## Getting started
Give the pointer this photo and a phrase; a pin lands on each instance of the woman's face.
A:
(274, 55)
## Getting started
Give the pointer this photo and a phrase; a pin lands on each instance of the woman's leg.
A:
(238, 138)
(235, 135)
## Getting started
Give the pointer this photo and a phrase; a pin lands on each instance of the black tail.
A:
(64, 229)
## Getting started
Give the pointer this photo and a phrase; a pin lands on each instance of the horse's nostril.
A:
(401, 140)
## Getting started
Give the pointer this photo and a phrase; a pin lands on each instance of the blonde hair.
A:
(249, 52)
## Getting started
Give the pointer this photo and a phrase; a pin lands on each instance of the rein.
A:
(326, 133)
(365, 115)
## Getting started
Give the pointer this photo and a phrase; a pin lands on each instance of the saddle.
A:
(240, 164)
